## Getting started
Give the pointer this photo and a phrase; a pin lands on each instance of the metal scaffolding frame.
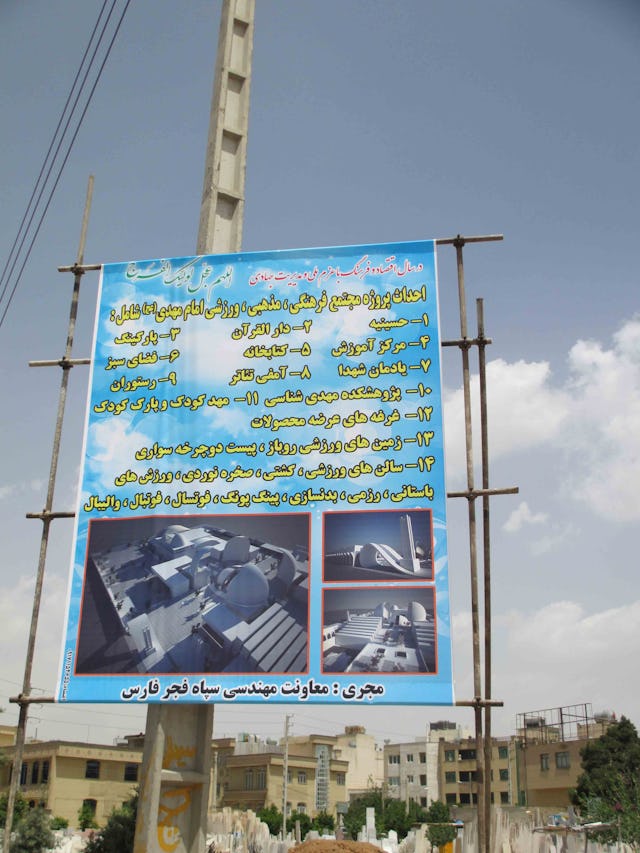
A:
(24, 699)
(481, 638)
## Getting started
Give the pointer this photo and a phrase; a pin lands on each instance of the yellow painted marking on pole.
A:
(168, 832)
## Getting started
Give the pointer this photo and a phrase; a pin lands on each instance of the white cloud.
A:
(591, 421)
(14, 604)
(554, 535)
(603, 445)
(117, 441)
(560, 654)
(521, 516)
(10, 490)
(523, 410)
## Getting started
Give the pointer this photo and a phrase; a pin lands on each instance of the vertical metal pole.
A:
(220, 230)
(473, 556)
(285, 776)
(486, 562)
(47, 516)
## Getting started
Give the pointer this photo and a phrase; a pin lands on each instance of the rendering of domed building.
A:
(202, 598)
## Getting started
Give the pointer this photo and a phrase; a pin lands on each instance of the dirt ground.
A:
(330, 846)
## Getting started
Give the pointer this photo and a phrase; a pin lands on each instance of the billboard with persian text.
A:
(261, 513)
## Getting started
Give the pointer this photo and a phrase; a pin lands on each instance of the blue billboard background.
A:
(262, 502)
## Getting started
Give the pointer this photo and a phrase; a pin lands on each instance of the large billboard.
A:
(261, 512)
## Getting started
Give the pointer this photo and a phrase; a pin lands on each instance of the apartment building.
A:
(249, 774)
(364, 757)
(63, 776)
(405, 771)
(458, 772)
(548, 751)
(411, 768)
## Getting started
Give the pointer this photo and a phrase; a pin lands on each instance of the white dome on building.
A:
(173, 529)
(249, 588)
(237, 550)
(417, 612)
(179, 541)
(169, 533)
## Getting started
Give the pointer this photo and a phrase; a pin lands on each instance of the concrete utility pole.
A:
(285, 776)
(176, 765)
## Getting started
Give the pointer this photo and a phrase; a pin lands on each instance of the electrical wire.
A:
(15, 250)
(22, 228)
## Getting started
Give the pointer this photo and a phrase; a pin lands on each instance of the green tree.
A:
(608, 788)
(59, 822)
(86, 816)
(323, 822)
(272, 817)
(389, 814)
(33, 834)
(118, 833)
(437, 816)
(305, 823)
(20, 806)
(356, 814)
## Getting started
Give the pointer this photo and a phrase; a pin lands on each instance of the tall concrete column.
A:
(176, 766)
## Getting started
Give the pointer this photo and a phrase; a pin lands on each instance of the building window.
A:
(450, 777)
(289, 776)
(503, 752)
(92, 769)
(410, 758)
(544, 761)
(341, 779)
(248, 780)
(449, 755)
(302, 777)
(301, 808)
(23, 774)
(562, 760)
(410, 780)
(35, 770)
(423, 801)
(467, 755)
(394, 781)
(90, 807)
(423, 778)
(504, 775)
(423, 758)
(465, 799)
(131, 772)
(261, 779)
(45, 770)
(504, 797)
(450, 799)
(394, 759)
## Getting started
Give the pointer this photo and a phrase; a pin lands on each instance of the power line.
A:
(27, 219)
(23, 228)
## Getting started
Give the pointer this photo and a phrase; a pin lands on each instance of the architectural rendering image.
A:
(378, 545)
(196, 595)
(383, 630)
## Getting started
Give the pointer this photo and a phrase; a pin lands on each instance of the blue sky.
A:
(370, 121)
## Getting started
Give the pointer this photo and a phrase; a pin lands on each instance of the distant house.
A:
(62, 776)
